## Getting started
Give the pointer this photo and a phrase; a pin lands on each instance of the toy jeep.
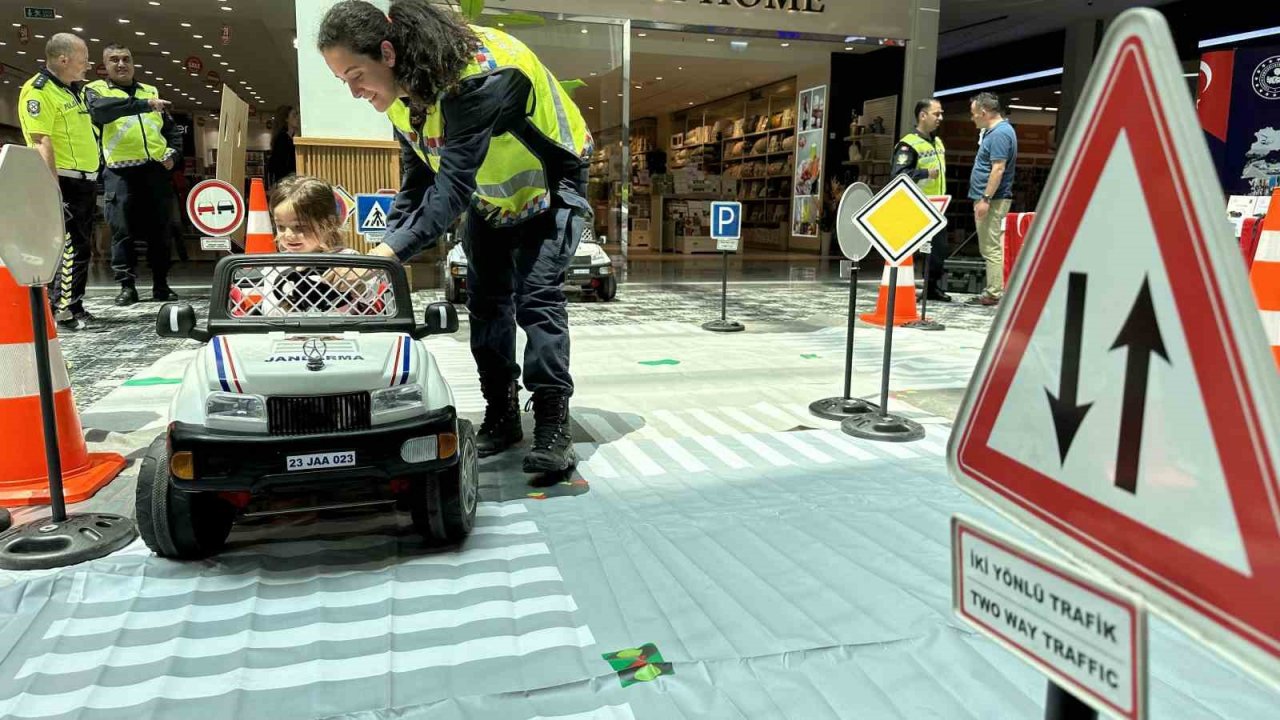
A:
(313, 392)
(590, 270)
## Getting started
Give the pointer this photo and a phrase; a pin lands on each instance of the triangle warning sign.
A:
(1124, 407)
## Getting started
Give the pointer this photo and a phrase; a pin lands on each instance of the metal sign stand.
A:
(882, 425)
(1060, 704)
(924, 323)
(839, 408)
(724, 324)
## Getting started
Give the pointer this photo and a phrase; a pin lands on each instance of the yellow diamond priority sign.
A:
(899, 219)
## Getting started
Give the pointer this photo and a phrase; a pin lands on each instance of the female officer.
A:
(485, 129)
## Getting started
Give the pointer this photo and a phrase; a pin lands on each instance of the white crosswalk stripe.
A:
(343, 606)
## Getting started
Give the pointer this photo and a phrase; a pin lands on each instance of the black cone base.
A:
(885, 428)
(723, 326)
(839, 408)
(924, 325)
(47, 544)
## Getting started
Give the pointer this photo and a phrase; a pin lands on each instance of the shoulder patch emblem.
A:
(903, 158)
(33, 108)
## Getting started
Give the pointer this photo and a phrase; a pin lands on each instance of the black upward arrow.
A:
(1067, 413)
(1141, 334)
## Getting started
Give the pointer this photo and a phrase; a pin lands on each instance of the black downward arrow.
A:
(1141, 334)
(1067, 413)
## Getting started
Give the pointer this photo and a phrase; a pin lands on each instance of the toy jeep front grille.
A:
(315, 414)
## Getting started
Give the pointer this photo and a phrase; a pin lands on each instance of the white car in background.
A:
(591, 271)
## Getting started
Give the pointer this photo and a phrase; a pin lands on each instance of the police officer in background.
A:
(921, 155)
(140, 142)
(55, 121)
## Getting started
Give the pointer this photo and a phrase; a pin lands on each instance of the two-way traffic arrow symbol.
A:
(1141, 334)
(1067, 412)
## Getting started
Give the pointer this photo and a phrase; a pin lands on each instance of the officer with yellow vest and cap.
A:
(485, 129)
(921, 155)
(55, 121)
(140, 143)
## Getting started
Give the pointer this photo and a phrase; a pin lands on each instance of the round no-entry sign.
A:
(215, 207)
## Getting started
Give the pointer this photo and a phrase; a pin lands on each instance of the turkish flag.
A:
(1213, 93)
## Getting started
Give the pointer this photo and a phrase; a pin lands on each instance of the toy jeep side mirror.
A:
(440, 318)
(178, 320)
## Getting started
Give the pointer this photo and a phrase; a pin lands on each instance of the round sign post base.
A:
(883, 427)
(927, 325)
(724, 326)
(48, 543)
(839, 408)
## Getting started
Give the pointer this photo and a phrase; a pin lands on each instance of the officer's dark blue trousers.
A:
(66, 294)
(515, 277)
(138, 203)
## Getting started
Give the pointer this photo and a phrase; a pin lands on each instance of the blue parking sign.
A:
(371, 213)
(726, 220)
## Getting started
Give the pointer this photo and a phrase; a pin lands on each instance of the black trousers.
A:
(515, 277)
(66, 294)
(138, 205)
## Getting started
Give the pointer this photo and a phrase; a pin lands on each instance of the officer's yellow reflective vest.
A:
(133, 139)
(511, 183)
(930, 155)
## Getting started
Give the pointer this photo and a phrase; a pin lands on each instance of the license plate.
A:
(321, 461)
(581, 272)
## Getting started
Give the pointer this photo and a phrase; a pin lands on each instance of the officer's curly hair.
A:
(433, 44)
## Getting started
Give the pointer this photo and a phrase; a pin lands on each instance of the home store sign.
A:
(804, 6)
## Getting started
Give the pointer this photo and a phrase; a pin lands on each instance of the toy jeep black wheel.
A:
(175, 523)
(608, 289)
(444, 507)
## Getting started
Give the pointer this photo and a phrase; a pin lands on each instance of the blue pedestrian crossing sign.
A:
(371, 213)
(726, 225)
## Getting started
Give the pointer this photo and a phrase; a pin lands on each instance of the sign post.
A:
(855, 246)
(897, 221)
(30, 250)
(726, 228)
(942, 202)
(1126, 406)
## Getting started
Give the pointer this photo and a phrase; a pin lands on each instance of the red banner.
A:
(1213, 94)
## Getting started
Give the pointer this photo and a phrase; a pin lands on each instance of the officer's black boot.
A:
(552, 437)
(128, 295)
(501, 427)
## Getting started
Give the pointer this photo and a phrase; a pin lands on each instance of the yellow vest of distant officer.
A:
(929, 156)
(133, 139)
(511, 183)
(47, 107)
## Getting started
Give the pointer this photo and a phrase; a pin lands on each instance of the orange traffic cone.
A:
(904, 305)
(24, 474)
(259, 237)
(1265, 274)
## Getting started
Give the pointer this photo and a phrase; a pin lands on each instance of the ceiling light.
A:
(137, 65)
(78, 29)
(997, 83)
(17, 24)
(153, 3)
(231, 69)
(848, 47)
(1057, 92)
(589, 107)
(208, 47)
(177, 61)
(658, 78)
(642, 34)
(185, 24)
(217, 55)
(1228, 39)
(786, 44)
(639, 88)
(502, 24)
(1014, 99)
(1194, 74)
(226, 9)
(198, 37)
(1051, 109)
(593, 73)
(1036, 108)
(39, 37)
(584, 31)
(123, 21)
(606, 102)
(164, 52)
(223, 63)
(153, 43)
(22, 52)
(147, 72)
(711, 39)
(619, 94)
(94, 40)
(690, 102)
(680, 68)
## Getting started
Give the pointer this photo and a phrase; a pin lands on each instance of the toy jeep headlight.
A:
(232, 405)
(236, 412)
(398, 402)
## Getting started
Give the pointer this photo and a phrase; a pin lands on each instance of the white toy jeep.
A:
(314, 391)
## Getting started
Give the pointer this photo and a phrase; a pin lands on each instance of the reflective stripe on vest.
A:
(511, 182)
(929, 156)
(134, 139)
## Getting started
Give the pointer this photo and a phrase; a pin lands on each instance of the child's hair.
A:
(313, 204)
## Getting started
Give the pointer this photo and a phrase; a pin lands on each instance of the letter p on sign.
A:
(726, 225)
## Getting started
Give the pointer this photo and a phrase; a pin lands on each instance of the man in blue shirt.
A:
(991, 188)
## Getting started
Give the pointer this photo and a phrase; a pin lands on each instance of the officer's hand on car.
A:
(159, 105)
